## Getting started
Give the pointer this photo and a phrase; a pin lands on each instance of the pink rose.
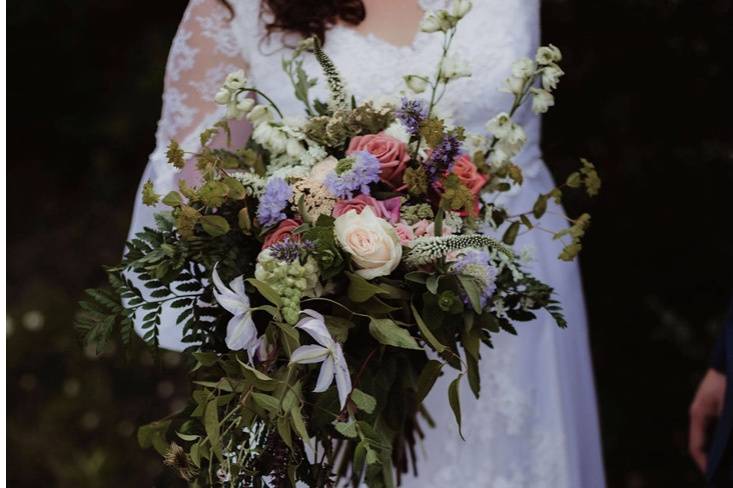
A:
(283, 230)
(391, 153)
(424, 227)
(405, 233)
(468, 174)
(388, 210)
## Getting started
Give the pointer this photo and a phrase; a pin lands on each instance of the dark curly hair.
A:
(308, 17)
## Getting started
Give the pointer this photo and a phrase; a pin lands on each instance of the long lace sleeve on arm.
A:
(203, 52)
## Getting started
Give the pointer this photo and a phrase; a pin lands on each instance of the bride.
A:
(535, 424)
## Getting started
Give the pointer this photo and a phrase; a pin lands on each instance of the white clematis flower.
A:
(328, 352)
(241, 330)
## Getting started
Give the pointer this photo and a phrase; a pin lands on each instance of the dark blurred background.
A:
(646, 96)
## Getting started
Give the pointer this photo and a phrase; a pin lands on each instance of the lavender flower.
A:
(411, 113)
(288, 250)
(353, 174)
(273, 201)
(476, 264)
(443, 156)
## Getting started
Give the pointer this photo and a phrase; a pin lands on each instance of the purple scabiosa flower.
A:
(477, 264)
(443, 156)
(353, 174)
(411, 113)
(288, 250)
(274, 199)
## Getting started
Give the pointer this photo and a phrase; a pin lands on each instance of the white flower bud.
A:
(548, 54)
(542, 100)
(551, 76)
(235, 80)
(523, 68)
(223, 96)
(453, 68)
(459, 8)
(416, 83)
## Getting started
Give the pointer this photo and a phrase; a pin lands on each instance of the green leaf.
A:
(346, 429)
(391, 334)
(431, 283)
(472, 289)
(363, 401)
(417, 277)
(471, 337)
(269, 403)
(211, 425)
(266, 291)
(172, 199)
(360, 290)
(298, 424)
(474, 380)
(455, 402)
(510, 236)
(427, 378)
(214, 225)
(540, 206)
(425, 331)
(283, 429)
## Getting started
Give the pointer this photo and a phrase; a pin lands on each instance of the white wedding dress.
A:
(535, 424)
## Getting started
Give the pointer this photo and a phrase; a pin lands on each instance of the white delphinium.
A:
(416, 83)
(551, 75)
(523, 68)
(459, 8)
(260, 114)
(510, 138)
(438, 21)
(398, 131)
(548, 54)
(453, 68)
(233, 95)
(500, 125)
(236, 80)
(328, 352)
(542, 100)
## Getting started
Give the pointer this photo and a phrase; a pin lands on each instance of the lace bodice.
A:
(209, 44)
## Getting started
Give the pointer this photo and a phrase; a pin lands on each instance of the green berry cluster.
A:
(289, 280)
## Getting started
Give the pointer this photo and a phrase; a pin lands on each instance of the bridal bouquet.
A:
(327, 273)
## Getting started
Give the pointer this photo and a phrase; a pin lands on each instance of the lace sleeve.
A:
(203, 52)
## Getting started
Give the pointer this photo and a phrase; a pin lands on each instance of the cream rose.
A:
(371, 241)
